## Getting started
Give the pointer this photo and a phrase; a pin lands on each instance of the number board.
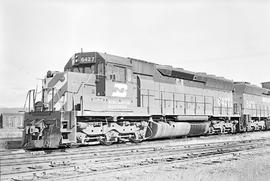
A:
(85, 60)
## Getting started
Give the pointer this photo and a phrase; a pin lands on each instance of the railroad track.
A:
(85, 163)
(22, 158)
(170, 162)
(20, 154)
(9, 163)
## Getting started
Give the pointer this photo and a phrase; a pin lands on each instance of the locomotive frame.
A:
(102, 98)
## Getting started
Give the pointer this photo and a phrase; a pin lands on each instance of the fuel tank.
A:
(176, 129)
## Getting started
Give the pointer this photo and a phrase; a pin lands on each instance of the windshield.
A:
(89, 69)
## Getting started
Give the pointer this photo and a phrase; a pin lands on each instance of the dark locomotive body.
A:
(102, 98)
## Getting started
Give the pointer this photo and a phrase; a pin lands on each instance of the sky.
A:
(228, 38)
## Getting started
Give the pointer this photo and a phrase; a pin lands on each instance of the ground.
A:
(250, 165)
(246, 167)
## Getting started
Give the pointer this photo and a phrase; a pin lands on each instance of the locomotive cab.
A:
(89, 63)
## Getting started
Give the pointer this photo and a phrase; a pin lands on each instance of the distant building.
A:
(11, 120)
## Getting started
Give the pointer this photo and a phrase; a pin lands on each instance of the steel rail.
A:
(118, 158)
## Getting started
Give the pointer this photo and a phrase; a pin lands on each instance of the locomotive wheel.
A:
(106, 142)
(135, 139)
(109, 138)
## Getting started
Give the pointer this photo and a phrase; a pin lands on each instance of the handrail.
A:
(28, 97)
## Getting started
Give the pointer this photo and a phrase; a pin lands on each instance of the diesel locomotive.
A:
(103, 99)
